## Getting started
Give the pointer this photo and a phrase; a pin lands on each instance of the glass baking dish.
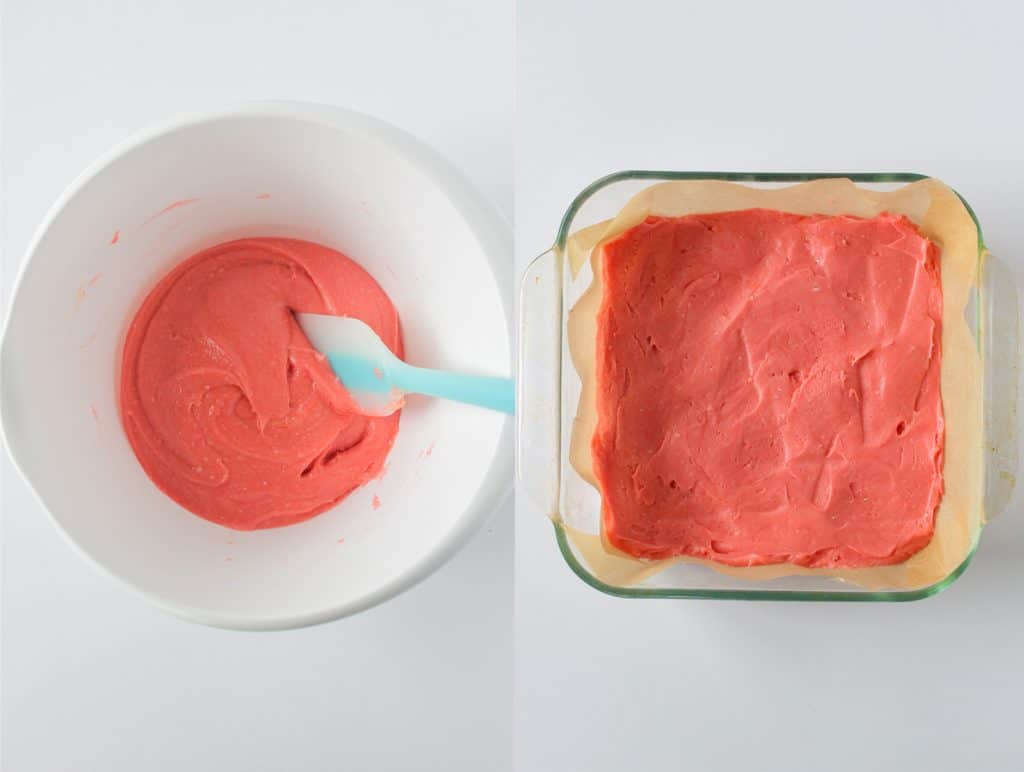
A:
(549, 389)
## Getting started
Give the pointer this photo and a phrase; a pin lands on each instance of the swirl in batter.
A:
(229, 409)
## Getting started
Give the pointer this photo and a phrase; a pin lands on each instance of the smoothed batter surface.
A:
(229, 409)
(768, 389)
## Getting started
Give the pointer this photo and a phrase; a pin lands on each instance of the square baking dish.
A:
(549, 391)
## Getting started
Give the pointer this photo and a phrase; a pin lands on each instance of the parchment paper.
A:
(943, 218)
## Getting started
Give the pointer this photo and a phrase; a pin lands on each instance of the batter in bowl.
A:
(229, 409)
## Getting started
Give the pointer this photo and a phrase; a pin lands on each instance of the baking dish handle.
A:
(1000, 336)
(538, 455)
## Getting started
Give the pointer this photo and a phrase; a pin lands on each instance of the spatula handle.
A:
(482, 390)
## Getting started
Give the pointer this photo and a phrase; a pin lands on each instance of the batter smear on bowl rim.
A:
(228, 407)
(767, 389)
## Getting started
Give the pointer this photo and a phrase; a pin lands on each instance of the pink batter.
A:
(768, 389)
(229, 409)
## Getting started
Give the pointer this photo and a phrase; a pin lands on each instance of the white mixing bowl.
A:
(305, 171)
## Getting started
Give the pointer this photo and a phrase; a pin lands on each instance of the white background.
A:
(608, 685)
(93, 679)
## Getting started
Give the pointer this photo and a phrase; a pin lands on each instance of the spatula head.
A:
(359, 358)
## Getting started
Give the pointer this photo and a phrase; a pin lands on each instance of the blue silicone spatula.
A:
(378, 380)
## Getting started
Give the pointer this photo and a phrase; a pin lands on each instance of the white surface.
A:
(284, 169)
(93, 678)
(603, 684)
